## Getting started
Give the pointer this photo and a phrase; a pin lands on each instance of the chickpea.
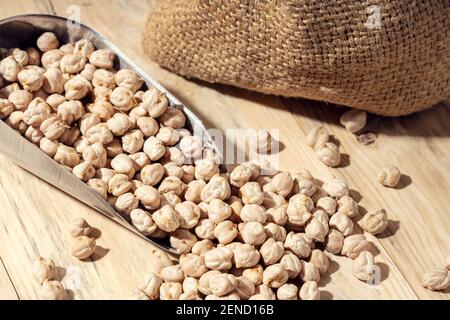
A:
(72, 63)
(128, 79)
(277, 215)
(34, 57)
(348, 206)
(151, 285)
(79, 227)
(205, 229)
(44, 270)
(364, 266)
(20, 99)
(103, 78)
(84, 48)
(87, 121)
(275, 276)
(123, 164)
(55, 100)
(7, 90)
(155, 102)
(189, 214)
(172, 273)
(34, 134)
(291, 264)
(77, 88)
(70, 111)
(191, 146)
(99, 133)
(6, 108)
(148, 196)
(271, 251)
(436, 279)
(88, 72)
(126, 203)
(327, 204)
(236, 208)
(15, 120)
(83, 247)
(309, 291)
(329, 154)
(152, 174)
(287, 291)
(298, 243)
(241, 175)
(174, 154)
(49, 146)
(336, 188)
(100, 186)
(143, 221)
(251, 193)
(9, 69)
(84, 171)
(190, 284)
(122, 99)
(206, 169)
(245, 256)
(375, 222)
(166, 219)
(253, 233)
(253, 212)
(67, 156)
(20, 56)
(133, 141)
(309, 272)
(193, 266)
(297, 214)
(52, 128)
(172, 170)
(354, 245)
(353, 120)
(203, 283)
(254, 274)
(41, 94)
(102, 58)
(275, 232)
(219, 259)
(342, 223)
(139, 112)
(304, 186)
(170, 290)
(102, 108)
(225, 231)
(53, 290)
(148, 126)
(52, 58)
(168, 136)
(389, 176)
(202, 246)
(171, 184)
(317, 137)
(105, 174)
(173, 117)
(38, 110)
(154, 148)
(47, 41)
(217, 188)
(222, 284)
(182, 240)
(281, 184)
(119, 184)
(320, 260)
(53, 81)
(334, 241)
(317, 228)
(273, 200)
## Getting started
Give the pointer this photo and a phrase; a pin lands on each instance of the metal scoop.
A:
(22, 32)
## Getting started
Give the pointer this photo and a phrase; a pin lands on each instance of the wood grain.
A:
(417, 239)
(7, 291)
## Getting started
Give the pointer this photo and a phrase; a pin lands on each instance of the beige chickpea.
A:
(96, 154)
(254, 274)
(245, 256)
(287, 291)
(102, 108)
(47, 41)
(155, 102)
(38, 110)
(44, 270)
(171, 184)
(67, 48)
(168, 136)
(139, 112)
(206, 169)
(154, 148)
(317, 228)
(113, 149)
(205, 229)
(217, 188)
(84, 48)
(33, 134)
(329, 154)
(67, 156)
(348, 206)
(172, 273)
(354, 245)
(298, 243)
(241, 175)
(34, 57)
(88, 72)
(219, 259)
(9, 69)
(253, 212)
(122, 99)
(170, 290)
(128, 79)
(263, 292)
(52, 58)
(277, 215)
(152, 174)
(49, 146)
(105, 174)
(140, 160)
(218, 210)
(334, 241)
(123, 164)
(175, 155)
(253, 233)
(83, 247)
(281, 184)
(182, 240)
(341, 222)
(79, 227)
(191, 146)
(102, 58)
(327, 204)
(260, 141)
(7, 90)
(52, 127)
(99, 133)
(251, 193)
(320, 260)
(309, 291)
(99, 186)
(151, 285)
(274, 231)
(353, 120)
(271, 251)
(436, 279)
(297, 214)
(70, 135)
(53, 290)
(77, 88)
(53, 81)
(190, 284)
(202, 246)
(20, 56)
(389, 176)
(15, 120)
(189, 214)
(139, 95)
(148, 126)
(118, 124)
(309, 272)
(304, 186)
(119, 184)
(87, 121)
(173, 117)
(70, 111)
(225, 231)
(291, 264)
(275, 276)
(133, 141)
(101, 93)
(55, 100)
(245, 288)
(148, 196)
(20, 99)
(6, 108)
(363, 266)
(103, 78)
(84, 171)
(317, 136)
(192, 266)
(203, 283)
(375, 222)
(222, 284)
(172, 170)
(136, 184)
(273, 200)
(336, 188)
(166, 219)
(126, 203)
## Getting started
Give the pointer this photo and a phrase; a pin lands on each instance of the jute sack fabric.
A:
(389, 57)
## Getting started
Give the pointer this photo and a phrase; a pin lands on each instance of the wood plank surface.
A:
(34, 215)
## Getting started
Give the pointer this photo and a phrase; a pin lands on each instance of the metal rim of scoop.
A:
(39, 23)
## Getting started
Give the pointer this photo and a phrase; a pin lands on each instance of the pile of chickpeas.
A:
(240, 236)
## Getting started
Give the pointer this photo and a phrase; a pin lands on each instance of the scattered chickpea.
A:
(389, 176)
(287, 291)
(79, 227)
(354, 245)
(309, 291)
(363, 266)
(47, 41)
(329, 154)
(436, 279)
(318, 136)
(375, 222)
(53, 290)
(354, 120)
(83, 247)
(44, 270)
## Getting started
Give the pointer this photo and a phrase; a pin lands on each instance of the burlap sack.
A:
(389, 57)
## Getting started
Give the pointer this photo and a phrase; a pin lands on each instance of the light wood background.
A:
(34, 215)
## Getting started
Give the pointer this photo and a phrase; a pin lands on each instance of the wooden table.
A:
(34, 215)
